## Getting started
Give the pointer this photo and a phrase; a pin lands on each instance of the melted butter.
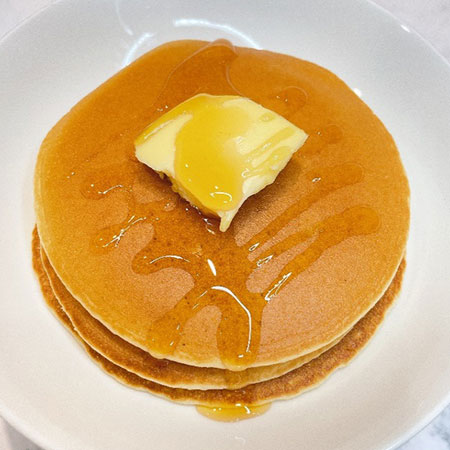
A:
(219, 150)
(219, 268)
(232, 413)
(215, 176)
(206, 163)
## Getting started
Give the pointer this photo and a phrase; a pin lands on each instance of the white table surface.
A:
(431, 19)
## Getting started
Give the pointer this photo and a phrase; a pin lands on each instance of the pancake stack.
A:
(165, 302)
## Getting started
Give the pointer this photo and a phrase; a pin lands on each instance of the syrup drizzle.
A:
(218, 56)
(287, 101)
(238, 333)
(233, 413)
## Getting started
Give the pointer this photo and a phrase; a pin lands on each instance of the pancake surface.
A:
(288, 385)
(303, 261)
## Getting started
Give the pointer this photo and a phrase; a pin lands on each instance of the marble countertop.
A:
(429, 18)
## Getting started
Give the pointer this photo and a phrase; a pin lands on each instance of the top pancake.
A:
(332, 228)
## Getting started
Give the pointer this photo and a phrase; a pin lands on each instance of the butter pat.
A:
(219, 150)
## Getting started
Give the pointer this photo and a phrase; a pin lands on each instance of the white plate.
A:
(49, 388)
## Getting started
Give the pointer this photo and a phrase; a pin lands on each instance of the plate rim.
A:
(38, 437)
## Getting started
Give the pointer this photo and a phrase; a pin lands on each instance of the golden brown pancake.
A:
(44, 283)
(165, 372)
(288, 385)
(332, 228)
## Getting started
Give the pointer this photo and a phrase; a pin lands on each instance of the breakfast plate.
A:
(48, 388)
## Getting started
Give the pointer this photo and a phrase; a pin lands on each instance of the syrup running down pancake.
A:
(165, 372)
(236, 404)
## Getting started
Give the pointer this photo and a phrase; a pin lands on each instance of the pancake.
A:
(288, 385)
(304, 260)
(165, 372)
(44, 283)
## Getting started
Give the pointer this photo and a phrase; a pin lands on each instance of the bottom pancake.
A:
(292, 383)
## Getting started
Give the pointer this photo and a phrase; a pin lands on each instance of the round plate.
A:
(50, 389)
